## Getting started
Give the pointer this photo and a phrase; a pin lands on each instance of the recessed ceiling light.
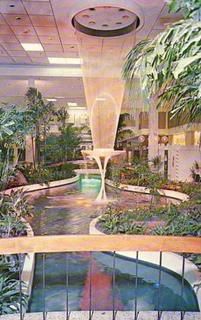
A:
(72, 104)
(18, 18)
(51, 99)
(12, 6)
(32, 46)
(61, 60)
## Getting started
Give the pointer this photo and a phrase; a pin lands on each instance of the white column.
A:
(153, 133)
(31, 83)
(102, 197)
(29, 149)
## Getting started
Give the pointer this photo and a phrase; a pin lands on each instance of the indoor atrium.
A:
(100, 160)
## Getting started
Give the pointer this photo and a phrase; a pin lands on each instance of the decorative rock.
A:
(17, 180)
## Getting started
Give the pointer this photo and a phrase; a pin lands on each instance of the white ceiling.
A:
(48, 22)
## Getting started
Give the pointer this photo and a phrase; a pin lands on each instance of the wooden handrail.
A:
(70, 243)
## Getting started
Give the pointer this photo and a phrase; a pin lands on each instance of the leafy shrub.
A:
(10, 297)
(180, 226)
(13, 208)
(180, 220)
(120, 221)
(15, 204)
(47, 174)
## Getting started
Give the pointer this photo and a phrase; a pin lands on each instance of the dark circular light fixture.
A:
(107, 21)
(12, 6)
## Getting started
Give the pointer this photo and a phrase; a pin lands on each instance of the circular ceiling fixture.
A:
(105, 21)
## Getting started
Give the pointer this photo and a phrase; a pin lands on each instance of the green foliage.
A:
(39, 115)
(47, 174)
(118, 221)
(13, 208)
(181, 220)
(141, 175)
(180, 226)
(169, 66)
(64, 147)
(15, 204)
(62, 117)
(188, 7)
(10, 297)
(11, 227)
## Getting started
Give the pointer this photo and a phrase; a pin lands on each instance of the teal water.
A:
(69, 210)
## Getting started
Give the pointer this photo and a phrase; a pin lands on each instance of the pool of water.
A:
(69, 210)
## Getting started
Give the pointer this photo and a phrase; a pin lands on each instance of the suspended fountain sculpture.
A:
(105, 35)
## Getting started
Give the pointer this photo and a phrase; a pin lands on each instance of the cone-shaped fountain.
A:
(105, 35)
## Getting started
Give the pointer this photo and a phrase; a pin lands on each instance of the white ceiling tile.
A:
(3, 53)
(50, 39)
(6, 60)
(17, 19)
(8, 38)
(28, 39)
(2, 20)
(42, 8)
(22, 60)
(52, 47)
(36, 54)
(43, 21)
(19, 53)
(36, 0)
(40, 60)
(66, 39)
(4, 29)
(70, 47)
(13, 46)
(12, 7)
(24, 30)
(45, 31)
(63, 54)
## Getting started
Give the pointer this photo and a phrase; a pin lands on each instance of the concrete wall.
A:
(181, 160)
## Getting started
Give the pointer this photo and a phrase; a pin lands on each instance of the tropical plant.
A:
(169, 67)
(15, 204)
(62, 117)
(120, 126)
(44, 174)
(10, 295)
(39, 115)
(157, 162)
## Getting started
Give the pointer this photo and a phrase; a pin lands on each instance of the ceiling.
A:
(48, 22)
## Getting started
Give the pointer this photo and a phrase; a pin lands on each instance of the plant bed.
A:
(48, 174)
(13, 209)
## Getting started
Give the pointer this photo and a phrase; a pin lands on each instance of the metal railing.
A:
(101, 243)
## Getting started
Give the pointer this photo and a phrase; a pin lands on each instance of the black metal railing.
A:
(113, 265)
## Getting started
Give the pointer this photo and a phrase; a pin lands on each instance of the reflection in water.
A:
(100, 288)
(69, 210)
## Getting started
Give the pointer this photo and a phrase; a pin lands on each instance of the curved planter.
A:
(163, 192)
(170, 261)
(43, 186)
